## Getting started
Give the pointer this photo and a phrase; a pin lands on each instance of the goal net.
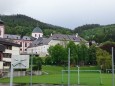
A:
(82, 77)
(109, 70)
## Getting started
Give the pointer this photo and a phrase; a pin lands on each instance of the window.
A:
(17, 37)
(6, 63)
(21, 43)
(8, 47)
(20, 49)
(0, 32)
(6, 55)
(25, 44)
(25, 49)
(7, 36)
(0, 57)
(35, 35)
(39, 35)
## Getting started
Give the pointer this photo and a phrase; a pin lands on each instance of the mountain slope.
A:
(99, 33)
(16, 24)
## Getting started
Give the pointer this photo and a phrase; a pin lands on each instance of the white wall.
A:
(1, 65)
(2, 31)
(54, 42)
(6, 59)
(76, 43)
(40, 50)
(14, 51)
(37, 35)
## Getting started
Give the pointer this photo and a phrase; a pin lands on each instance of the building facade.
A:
(37, 33)
(41, 45)
(7, 49)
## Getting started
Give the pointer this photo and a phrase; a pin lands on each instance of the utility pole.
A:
(78, 76)
(31, 67)
(11, 75)
(69, 67)
(112, 67)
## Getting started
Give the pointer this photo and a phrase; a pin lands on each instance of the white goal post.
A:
(78, 74)
(109, 70)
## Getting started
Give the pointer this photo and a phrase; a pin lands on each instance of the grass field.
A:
(55, 77)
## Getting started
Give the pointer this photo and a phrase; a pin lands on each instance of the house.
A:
(2, 48)
(37, 33)
(40, 46)
(7, 49)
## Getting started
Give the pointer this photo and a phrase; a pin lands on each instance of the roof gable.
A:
(66, 37)
(8, 42)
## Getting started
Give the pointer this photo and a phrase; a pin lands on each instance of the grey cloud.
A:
(8, 6)
(67, 13)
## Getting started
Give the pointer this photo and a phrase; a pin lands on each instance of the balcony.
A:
(13, 52)
(6, 59)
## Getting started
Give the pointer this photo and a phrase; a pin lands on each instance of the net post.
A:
(62, 78)
(78, 76)
(100, 78)
(112, 66)
(69, 67)
(11, 75)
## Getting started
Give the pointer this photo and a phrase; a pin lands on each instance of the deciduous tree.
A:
(103, 59)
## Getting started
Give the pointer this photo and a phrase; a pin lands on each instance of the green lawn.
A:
(55, 77)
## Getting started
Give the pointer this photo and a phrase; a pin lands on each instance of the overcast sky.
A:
(65, 13)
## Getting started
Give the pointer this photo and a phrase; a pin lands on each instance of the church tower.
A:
(37, 33)
(2, 29)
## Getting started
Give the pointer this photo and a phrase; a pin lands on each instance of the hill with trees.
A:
(24, 25)
(16, 24)
(99, 33)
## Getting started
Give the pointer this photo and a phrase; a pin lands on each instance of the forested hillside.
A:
(16, 24)
(97, 32)
(21, 24)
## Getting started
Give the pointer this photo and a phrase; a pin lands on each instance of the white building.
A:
(7, 50)
(41, 45)
(37, 32)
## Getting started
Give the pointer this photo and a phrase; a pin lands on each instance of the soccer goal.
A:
(82, 77)
(109, 70)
